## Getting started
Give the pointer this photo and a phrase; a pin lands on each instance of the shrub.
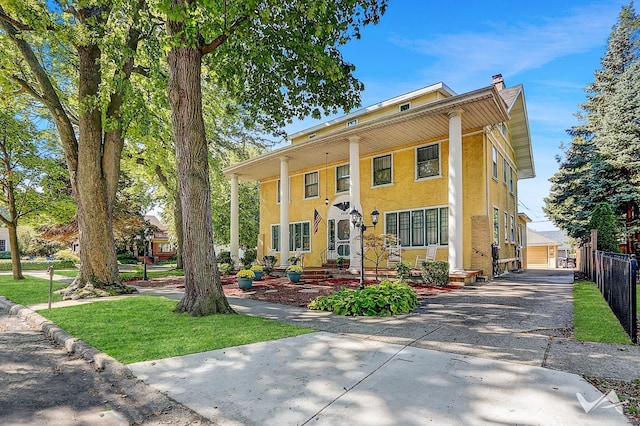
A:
(403, 271)
(386, 298)
(224, 257)
(5, 255)
(250, 256)
(435, 272)
(30, 265)
(224, 268)
(66, 255)
(127, 259)
(268, 263)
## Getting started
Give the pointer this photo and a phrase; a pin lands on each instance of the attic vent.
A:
(405, 107)
(312, 135)
(352, 123)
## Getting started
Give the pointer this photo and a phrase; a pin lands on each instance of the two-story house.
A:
(439, 167)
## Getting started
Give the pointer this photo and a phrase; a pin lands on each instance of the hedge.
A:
(28, 265)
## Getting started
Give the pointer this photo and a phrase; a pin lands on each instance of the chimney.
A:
(498, 81)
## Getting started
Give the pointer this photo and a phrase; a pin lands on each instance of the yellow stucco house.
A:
(440, 168)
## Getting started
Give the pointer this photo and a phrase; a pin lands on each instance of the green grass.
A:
(28, 291)
(593, 320)
(143, 328)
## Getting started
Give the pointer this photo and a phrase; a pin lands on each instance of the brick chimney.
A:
(498, 81)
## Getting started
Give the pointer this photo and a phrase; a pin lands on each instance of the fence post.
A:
(633, 299)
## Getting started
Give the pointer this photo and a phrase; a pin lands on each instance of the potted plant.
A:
(340, 262)
(245, 278)
(257, 271)
(294, 272)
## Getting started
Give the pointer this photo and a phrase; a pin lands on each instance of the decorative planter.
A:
(294, 277)
(258, 275)
(245, 282)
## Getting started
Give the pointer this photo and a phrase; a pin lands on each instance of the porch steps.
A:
(467, 277)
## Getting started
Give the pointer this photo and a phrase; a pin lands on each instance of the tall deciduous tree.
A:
(98, 40)
(279, 60)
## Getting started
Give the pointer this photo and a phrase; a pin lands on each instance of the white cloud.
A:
(513, 47)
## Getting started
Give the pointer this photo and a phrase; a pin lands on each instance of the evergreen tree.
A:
(587, 176)
(604, 221)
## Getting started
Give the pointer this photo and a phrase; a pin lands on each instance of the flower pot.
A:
(258, 275)
(245, 282)
(294, 277)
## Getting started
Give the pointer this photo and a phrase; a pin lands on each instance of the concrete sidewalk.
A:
(475, 356)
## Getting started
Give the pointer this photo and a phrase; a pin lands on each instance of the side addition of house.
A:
(441, 168)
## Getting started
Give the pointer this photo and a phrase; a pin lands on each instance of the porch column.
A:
(456, 247)
(235, 228)
(284, 211)
(354, 200)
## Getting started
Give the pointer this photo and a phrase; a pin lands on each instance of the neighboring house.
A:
(566, 253)
(4, 240)
(542, 250)
(159, 248)
(441, 168)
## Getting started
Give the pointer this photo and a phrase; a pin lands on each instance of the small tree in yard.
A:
(375, 248)
(604, 221)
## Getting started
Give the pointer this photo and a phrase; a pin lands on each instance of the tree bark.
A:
(16, 266)
(203, 289)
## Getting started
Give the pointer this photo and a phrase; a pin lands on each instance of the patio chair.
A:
(430, 254)
(395, 255)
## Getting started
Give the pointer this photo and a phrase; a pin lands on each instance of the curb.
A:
(101, 361)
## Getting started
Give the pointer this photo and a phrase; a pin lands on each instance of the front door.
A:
(339, 229)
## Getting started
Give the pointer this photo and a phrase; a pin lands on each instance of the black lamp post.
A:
(356, 220)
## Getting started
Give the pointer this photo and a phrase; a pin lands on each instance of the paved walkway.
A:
(476, 356)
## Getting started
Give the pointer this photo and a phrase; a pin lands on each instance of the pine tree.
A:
(604, 221)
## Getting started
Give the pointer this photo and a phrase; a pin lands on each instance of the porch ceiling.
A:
(480, 108)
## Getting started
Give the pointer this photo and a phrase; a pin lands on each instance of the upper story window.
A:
(494, 159)
(311, 185)
(382, 170)
(505, 167)
(511, 188)
(428, 161)
(342, 178)
(278, 192)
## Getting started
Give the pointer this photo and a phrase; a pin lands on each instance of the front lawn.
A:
(142, 328)
(28, 291)
(593, 320)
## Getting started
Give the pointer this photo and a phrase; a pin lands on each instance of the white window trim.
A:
(505, 165)
(304, 185)
(415, 162)
(512, 230)
(412, 247)
(403, 104)
(292, 249)
(335, 178)
(278, 190)
(506, 227)
(494, 150)
(495, 220)
(373, 184)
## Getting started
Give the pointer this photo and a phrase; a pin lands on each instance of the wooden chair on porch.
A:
(430, 254)
(394, 256)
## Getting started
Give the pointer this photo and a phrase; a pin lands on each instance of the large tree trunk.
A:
(16, 266)
(203, 290)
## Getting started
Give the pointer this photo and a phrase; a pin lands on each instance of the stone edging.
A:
(100, 360)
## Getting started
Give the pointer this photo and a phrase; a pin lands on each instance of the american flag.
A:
(316, 220)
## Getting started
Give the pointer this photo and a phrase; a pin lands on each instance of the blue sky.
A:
(551, 47)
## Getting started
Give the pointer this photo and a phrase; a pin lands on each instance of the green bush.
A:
(224, 268)
(127, 259)
(224, 257)
(29, 265)
(66, 255)
(5, 255)
(386, 298)
(435, 272)
(250, 256)
(403, 271)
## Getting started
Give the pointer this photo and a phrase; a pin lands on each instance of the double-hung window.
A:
(382, 170)
(311, 185)
(299, 236)
(428, 161)
(496, 225)
(419, 227)
(494, 159)
(342, 178)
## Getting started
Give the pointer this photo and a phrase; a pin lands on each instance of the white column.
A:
(284, 210)
(354, 200)
(235, 228)
(456, 246)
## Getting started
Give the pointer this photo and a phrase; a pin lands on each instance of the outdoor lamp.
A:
(375, 215)
(356, 220)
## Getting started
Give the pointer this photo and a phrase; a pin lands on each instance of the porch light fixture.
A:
(356, 220)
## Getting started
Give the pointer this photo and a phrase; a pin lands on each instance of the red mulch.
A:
(281, 290)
